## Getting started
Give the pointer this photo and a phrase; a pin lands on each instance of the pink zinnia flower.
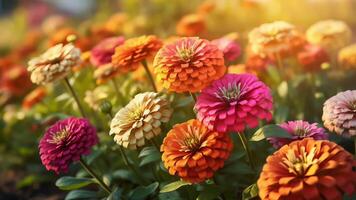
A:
(298, 130)
(339, 113)
(230, 48)
(65, 142)
(101, 54)
(234, 101)
(312, 57)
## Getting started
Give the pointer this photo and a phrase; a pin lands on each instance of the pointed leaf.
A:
(269, 131)
(81, 194)
(72, 183)
(173, 186)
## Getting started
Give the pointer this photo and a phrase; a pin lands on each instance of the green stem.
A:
(193, 96)
(94, 175)
(71, 90)
(149, 75)
(247, 149)
(116, 88)
(153, 141)
(130, 166)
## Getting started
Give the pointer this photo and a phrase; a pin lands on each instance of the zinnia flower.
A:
(101, 54)
(275, 38)
(312, 57)
(14, 80)
(258, 64)
(105, 73)
(61, 36)
(191, 25)
(347, 57)
(193, 152)
(188, 65)
(329, 34)
(54, 64)
(65, 142)
(34, 97)
(339, 113)
(234, 101)
(140, 120)
(129, 56)
(298, 130)
(308, 169)
(94, 97)
(230, 48)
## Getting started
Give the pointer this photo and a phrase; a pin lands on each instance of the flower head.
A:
(34, 97)
(105, 73)
(230, 48)
(191, 25)
(258, 64)
(234, 101)
(129, 56)
(188, 65)
(95, 97)
(14, 80)
(275, 38)
(65, 142)
(140, 120)
(329, 34)
(61, 36)
(347, 57)
(312, 57)
(193, 152)
(101, 54)
(299, 130)
(339, 113)
(308, 169)
(54, 64)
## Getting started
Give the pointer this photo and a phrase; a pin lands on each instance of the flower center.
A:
(229, 93)
(185, 54)
(192, 143)
(301, 164)
(136, 114)
(353, 106)
(300, 132)
(59, 136)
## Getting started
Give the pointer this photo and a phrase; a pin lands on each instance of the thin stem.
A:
(149, 75)
(71, 90)
(129, 165)
(116, 88)
(193, 96)
(247, 149)
(94, 175)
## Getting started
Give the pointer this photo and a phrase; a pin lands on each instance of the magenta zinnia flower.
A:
(101, 54)
(234, 101)
(65, 142)
(298, 130)
(230, 48)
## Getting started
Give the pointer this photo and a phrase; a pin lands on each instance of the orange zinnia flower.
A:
(129, 55)
(188, 64)
(193, 152)
(308, 169)
(34, 97)
(191, 25)
(61, 36)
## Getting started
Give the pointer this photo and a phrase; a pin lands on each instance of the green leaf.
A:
(173, 186)
(209, 193)
(115, 195)
(250, 192)
(81, 194)
(147, 151)
(72, 183)
(150, 159)
(269, 131)
(142, 192)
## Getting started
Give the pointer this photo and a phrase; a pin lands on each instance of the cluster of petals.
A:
(311, 57)
(54, 64)
(34, 97)
(101, 53)
(234, 102)
(339, 113)
(347, 57)
(191, 25)
(308, 169)
(128, 56)
(14, 80)
(229, 47)
(140, 120)
(193, 152)
(298, 130)
(65, 142)
(188, 64)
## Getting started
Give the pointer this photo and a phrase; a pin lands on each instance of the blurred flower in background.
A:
(101, 53)
(347, 57)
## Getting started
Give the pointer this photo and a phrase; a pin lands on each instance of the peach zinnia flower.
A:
(275, 38)
(105, 73)
(329, 34)
(347, 57)
(34, 97)
(193, 152)
(312, 57)
(308, 169)
(191, 25)
(339, 113)
(129, 55)
(188, 64)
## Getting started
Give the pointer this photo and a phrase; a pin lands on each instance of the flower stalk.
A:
(149, 76)
(244, 142)
(71, 90)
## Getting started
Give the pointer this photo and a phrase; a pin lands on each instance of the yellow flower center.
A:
(59, 136)
(185, 54)
(231, 92)
(304, 164)
(300, 132)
